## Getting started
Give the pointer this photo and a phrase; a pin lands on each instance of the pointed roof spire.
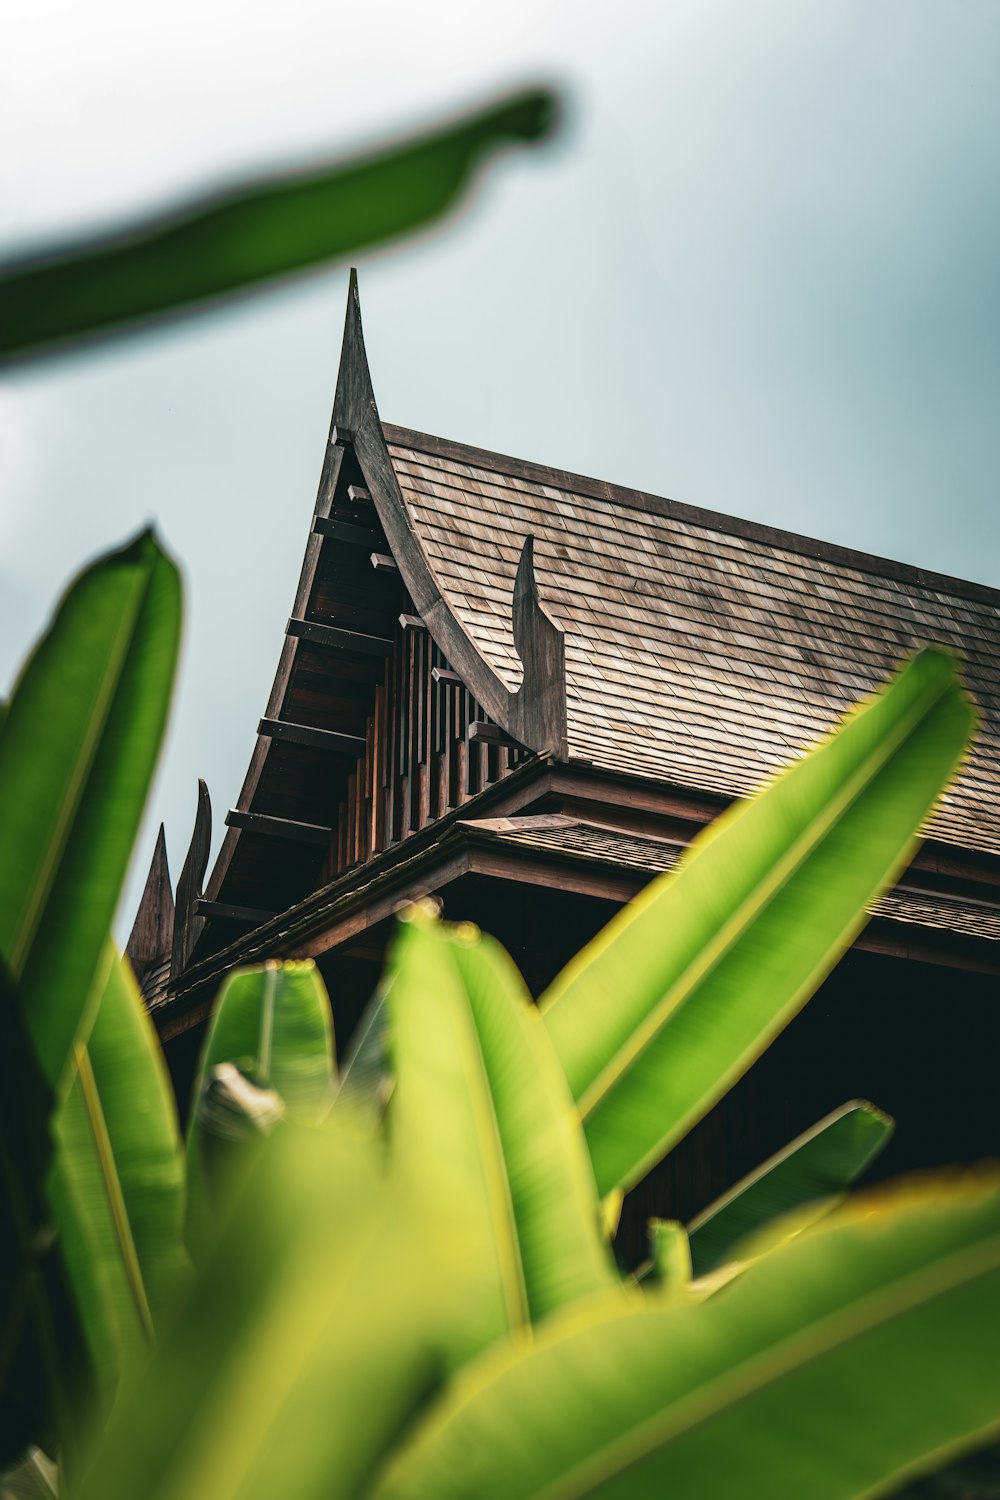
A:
(152, 932)
(187, 925)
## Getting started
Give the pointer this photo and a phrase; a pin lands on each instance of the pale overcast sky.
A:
(759, 273)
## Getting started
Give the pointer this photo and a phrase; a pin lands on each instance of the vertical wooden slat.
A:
(439, 795)
(342, 838)
(352, 817)
(448, 695)
(359, 814)
(405, 808)
(462, 773)
(424, 795)
(378, 771)
(420, 649)
(403, 701)
(370, 782)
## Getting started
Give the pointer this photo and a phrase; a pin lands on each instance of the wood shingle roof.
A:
(701, 650)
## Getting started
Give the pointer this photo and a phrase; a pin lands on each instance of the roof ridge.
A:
(643, 500)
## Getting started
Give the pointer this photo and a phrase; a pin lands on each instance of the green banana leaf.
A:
(481, 1115)
(117, 1180)
(214, 247)
(815, 1169)
(77, 751)
(860, 1354)
(42, 1349)
(274, 1023)
(656, 1018)
(307, 1343)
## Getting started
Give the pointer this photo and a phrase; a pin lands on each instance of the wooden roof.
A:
(700, 649)
(462, 615)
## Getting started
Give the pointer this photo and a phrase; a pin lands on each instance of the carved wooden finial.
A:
(538, 708)
(188, 926)
(152, 934)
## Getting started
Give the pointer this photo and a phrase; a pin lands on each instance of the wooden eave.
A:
(544, 793)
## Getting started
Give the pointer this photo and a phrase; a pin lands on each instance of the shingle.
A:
(699, 651)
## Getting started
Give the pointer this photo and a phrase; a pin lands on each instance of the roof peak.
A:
(643, 500)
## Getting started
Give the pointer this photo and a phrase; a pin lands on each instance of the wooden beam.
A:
(481, 733)
(358, 494)
(341, 436)
(335, 637)
(279, 828)
(222, 911)
(346, 531)
(383, 563)
(446, 675)
(412, 622)
(307, 734)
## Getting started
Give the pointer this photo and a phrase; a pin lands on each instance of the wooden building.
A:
(525, 691)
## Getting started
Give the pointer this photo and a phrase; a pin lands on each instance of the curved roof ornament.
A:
(188, 925)
(534, 715)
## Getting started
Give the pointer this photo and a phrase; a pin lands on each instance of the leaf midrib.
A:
(104, 1150)
(711, 954)
(506, 1236)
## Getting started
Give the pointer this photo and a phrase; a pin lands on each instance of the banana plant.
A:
(77, 748)
(421, 1299)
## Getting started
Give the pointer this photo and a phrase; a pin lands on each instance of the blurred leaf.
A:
(274, 1024)
(657, 1017)
(306, 1345)
(669, 1268)
(42, 1358)
(834, 1368)
(230, 240)
(117, 1181)
(77, 750)
(366, 1077)
(814, 1169)
(481, 1115)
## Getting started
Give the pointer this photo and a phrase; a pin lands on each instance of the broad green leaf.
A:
(815, 1169)
(215, 246)
(481, 1115)
(835, 1368)
(274, 1024)
(117, 1180)
(77, 750)
(42, 1351)
(656, 1018)
(307, 1343)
